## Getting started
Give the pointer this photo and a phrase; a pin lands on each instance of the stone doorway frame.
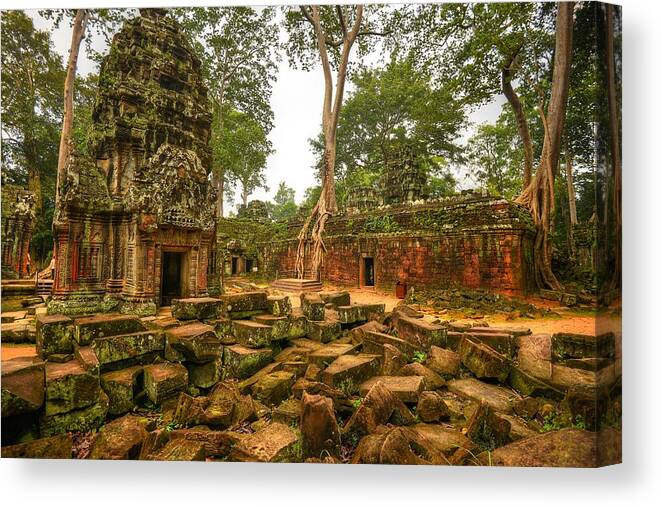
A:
(184, 271)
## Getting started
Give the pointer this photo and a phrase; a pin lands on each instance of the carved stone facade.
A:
(135, 226)
(18, 216)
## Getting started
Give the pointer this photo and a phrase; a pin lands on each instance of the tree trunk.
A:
(616, 161)
(327, 204)
(539, 196)
(571, 202)
(521, 121)
(78, 33)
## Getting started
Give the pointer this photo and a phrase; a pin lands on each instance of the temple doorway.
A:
(172, 274)
(367, 272)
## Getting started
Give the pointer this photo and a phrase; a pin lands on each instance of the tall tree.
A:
(239, 48)
(243, 153)
(614, 138)
(284, 204)
(32, 80)
(390, 107)
(539, 195)
(329, 33)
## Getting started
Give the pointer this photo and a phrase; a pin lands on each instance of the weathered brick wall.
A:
(466, 242)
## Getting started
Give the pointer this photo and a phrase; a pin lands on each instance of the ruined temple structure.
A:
(18, 217)
(135, 226)
(469, 241)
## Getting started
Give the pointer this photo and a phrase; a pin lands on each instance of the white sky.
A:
(296, 102)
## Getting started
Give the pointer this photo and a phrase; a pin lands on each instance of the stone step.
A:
(196, 308)
(123, 347)
(349, 371)
(87, 329)
(407, 389)
(296, 285)
(252, 334)
(196, 342)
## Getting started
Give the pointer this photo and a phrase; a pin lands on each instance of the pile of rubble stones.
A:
(246, 377)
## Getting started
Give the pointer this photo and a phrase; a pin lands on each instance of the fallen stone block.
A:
(279, 306)
(224, 330)
(196, 342)
(432, 408)
(23, 385)
(518, 427)
(244, 304)
(432, 380)
(180, 449)
(272, 444)
(407, 389)
(54, 335)
(359, 333)
(352, 314)
(19, 331)
(420, 333)
(498, 398)
(252, 334)
(164, 380)
(288, 412)
(336, 299)
(325, 355)
(483, 361)
(563, 448)
(83, 420)
(578, 346)
(69, 387)
(445, 362)
(121, 387)
(501, 342)
(87, 329)
(319, 429)
(216, 443)
(126, 347)
(406, 348)
(196, 308)
(87, 358)
(487, 429)
(273, 388)
(56, 447)
(454, 339)
(121, 438)
(324, 331)
(279, 325)
(205, 375)
(528, 385)
(379, 406)
(535, 355)
(8, 317)
(349, 371)
(392, 359)
(242, 362)
(313, 307)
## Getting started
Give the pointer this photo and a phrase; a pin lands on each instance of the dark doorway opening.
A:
(368, 272)
(249, 263)
(172, 264)
(235, 265)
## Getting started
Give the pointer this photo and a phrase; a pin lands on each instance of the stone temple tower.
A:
(135, 225)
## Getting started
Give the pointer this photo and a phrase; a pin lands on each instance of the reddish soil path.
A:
(9, 350)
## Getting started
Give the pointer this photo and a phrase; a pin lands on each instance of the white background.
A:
(636, 482)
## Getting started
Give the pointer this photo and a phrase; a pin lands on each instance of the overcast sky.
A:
(296, 102)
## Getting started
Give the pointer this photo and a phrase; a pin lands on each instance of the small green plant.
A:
(419, 357)
(348, 387)
(357, 403)
(172, 426)
(579, 422)
(551, 422)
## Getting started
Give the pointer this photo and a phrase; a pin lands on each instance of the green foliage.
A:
(419, 357)
(381, 223)
(284, 205)
(357, 403)
(348, 387)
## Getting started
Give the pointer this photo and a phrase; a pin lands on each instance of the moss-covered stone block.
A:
(241, 362)
(279, 306)
(120, 386)
(164, 380)
(252, 334)
(196, 308)
(87, 329)
(205, 375)
(54, 335)
(195, 341)
(23, 381)
(123, 347)
(83, 420)
(69, 387)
